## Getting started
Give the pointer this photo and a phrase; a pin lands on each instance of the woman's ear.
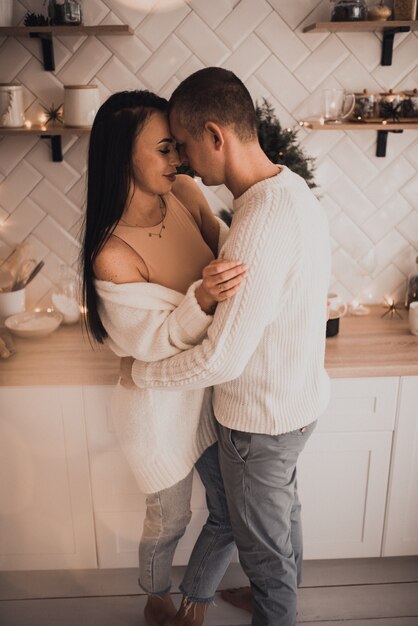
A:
(216, 134)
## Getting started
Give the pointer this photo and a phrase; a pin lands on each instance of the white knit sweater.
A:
(161, 433)
(265, 348)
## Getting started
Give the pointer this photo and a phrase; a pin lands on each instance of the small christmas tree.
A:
(281, 147)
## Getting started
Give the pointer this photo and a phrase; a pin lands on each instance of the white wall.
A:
(372, 203)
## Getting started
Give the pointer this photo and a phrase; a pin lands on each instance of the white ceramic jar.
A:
(12, 113)
(81, 103)
(6, 12)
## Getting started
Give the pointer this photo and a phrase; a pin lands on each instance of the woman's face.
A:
(155, 157)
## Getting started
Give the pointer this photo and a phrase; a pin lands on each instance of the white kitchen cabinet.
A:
(67, 492)
(401, 533)
(343, 471)
(46, 519)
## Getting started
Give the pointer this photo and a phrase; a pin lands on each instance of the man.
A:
(264, 351)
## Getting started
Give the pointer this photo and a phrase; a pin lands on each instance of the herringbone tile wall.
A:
(372, 203)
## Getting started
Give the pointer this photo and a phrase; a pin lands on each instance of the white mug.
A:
(81, 103)
(12, 302)
(336, 306)
(413, 318)
(12, 113)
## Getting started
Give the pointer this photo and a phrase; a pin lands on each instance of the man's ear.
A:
(216, 134)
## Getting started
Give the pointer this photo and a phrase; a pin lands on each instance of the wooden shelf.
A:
(104, 29)
(53, 133)
(45, 34)
(389, 28)
(382, 130)
(315, 125)
(363, 26)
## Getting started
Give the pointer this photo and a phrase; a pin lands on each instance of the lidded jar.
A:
(365, 105)
(81, 103)
(410, 103)
(390, 104)
(65, 12)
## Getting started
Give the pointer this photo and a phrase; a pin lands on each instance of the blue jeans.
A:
(167, 516)
(259, 473)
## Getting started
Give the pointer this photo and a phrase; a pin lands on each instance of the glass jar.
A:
(410, 104)
(65, 296)
(411, 294)
(348, 10)
(390, 105)
(65, 12)
(365, 105)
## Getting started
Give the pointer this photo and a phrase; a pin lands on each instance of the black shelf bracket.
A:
(56, 147)
(387, 44)
(47, 50)
(382, 140)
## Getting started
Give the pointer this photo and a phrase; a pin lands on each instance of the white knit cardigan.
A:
(162, 433)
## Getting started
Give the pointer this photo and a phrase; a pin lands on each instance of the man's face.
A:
(198, 153)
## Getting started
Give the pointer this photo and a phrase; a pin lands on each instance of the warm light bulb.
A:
(42, 118)
(28, 124)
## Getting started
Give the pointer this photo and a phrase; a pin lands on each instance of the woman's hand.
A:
(221, 280)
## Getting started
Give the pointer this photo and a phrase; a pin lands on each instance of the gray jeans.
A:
(259, 474)
(167, 516)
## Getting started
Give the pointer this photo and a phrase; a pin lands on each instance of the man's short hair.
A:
(216, 95)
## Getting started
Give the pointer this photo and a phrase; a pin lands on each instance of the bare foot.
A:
(189, 614)
(241, 598)
(158, 610)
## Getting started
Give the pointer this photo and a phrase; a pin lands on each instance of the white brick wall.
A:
(372, 203)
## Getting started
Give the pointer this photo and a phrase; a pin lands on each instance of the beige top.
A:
(173, 251)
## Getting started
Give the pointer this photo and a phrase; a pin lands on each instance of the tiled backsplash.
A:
(372, 203)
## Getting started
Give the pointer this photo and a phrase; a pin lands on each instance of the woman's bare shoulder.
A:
(118, 263)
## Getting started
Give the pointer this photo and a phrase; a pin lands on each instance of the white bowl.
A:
(33, 323)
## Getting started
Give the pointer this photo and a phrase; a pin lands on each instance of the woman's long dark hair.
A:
(110, 172)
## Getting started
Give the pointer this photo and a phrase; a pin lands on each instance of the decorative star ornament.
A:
(392, 308)
(53, 114)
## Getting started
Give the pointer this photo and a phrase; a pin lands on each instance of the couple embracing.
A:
(222, 334)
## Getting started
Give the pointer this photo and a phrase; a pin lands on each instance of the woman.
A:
(149, 236)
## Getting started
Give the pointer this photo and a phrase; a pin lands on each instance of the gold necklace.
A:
(163, 215)
(163, 210)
